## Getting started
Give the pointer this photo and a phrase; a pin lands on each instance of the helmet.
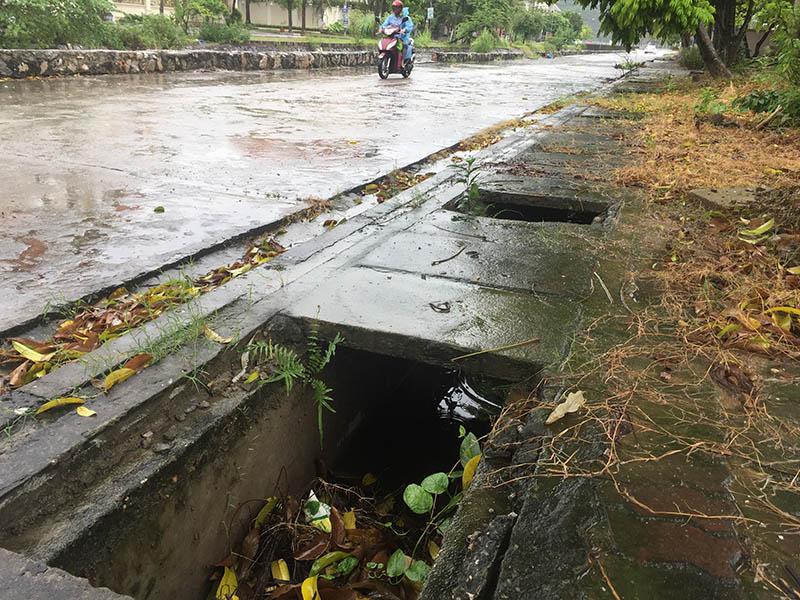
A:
(397, 7)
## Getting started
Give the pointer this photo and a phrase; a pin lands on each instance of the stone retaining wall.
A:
(47, 63)
(466, 56)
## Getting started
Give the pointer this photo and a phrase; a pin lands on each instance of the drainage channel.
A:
(577, 207)
(158, 525)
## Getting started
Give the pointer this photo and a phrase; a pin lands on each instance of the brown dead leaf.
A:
(314, 547)
(139, 362)
(17, 376)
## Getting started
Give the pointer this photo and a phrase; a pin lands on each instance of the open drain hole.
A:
(531, 208)
(396, 419)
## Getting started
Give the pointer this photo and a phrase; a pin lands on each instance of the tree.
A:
(575, 20)
(187, 11)
(628, 21)
(528, 25)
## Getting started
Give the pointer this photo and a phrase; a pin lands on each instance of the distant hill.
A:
(590, 16)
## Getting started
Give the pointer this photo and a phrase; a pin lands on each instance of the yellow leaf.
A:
(85, 412)
(59, 402)
(262, 515)
(784, 309)
(433, 549)
(227, 586)
(309, 589)
(368, 479)
(730, 328)
(794, 270)
(280, 570)
(758, 231)
(324, 525)
(371, 188)
(117, 376)
(349, 519)
(782, 320)
(469, 470)
(253, 376)
(573, 402)
(215, 337)
(30, 353)
(241, 270)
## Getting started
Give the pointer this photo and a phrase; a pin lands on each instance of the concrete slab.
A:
(422, 318)
(546, 192)
(22, 577)
(532, 258)
(724, 199)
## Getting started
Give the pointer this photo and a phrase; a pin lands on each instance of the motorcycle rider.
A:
(399, 18)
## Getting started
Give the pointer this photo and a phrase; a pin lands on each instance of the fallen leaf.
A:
(59, 402)
(313, 548)
(573, 403)
(30, 353)
(349, 519)
(265, 511)
(17, 376)
(226, 590)
(117, 376)
(280, 570)
(309, 588)
(85, 412)
(215, 337)
(139, 362)
(433, 549)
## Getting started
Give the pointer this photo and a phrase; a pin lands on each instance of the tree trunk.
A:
(290, 8)
(247, 11)
(161, 7)
(725, 30)
(759, 43)
(303, 16)
(711, 59)
(686, 40)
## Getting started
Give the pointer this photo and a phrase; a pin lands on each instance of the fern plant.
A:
(277, 363)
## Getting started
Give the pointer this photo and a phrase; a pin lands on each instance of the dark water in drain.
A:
(412, 413)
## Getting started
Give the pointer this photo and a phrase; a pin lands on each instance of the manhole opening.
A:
(397, 420)
(531, 209)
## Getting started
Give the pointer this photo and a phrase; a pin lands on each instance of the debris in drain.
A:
(347, 542)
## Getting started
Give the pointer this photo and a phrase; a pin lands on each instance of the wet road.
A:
(85, 161)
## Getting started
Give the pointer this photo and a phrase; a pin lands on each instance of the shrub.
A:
(143, 32)
(362, 25)
(335, 27)
(423, 40)
(51, 23)
(485, 42)
(224, 34)
(690, 58)
(767, 101)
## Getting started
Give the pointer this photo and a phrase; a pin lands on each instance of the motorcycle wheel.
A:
(407, 69)
(384, 65)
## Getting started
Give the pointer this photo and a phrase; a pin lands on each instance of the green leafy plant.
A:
(422, 498)
(709, 103)
(469, 175)
(485, 42)
(223, 33)
(277, 363)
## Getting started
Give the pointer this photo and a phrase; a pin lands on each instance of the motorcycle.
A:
(390, 54)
